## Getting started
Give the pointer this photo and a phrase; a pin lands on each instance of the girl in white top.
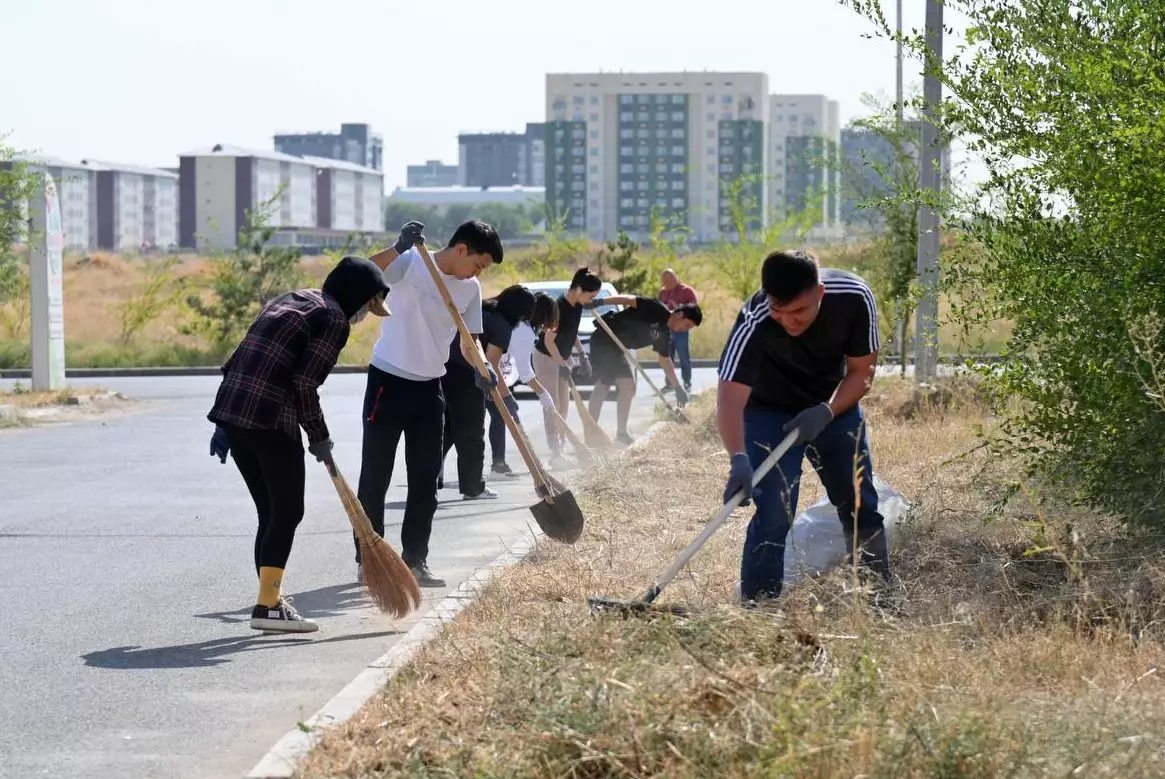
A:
(521, 353)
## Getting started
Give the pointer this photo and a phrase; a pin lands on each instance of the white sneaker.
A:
(485, 494)
(560, 462)
(282, 618)
(359, 573)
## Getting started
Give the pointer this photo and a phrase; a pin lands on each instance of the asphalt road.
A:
(126, 583)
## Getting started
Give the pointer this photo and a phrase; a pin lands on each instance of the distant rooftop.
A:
(328, 162)
(458, 194)
(47, 160)
(228, 150)
(140, 170)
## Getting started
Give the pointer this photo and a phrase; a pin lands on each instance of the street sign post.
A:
(45, 268)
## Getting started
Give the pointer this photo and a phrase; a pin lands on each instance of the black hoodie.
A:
(353, 282)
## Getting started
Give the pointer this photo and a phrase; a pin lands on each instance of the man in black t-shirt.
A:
(801, 355)
(645, 322)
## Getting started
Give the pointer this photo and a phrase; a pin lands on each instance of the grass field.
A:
(1003, 662)
(97, 288)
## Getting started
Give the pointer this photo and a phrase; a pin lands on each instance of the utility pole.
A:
(929, 181)
(900, 329)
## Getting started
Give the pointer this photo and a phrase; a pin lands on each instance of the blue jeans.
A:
(832, 454)
(679, 346)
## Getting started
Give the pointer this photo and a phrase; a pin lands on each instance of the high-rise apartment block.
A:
(502, 159)
(804, 138)
(355, 143)
(622, 147)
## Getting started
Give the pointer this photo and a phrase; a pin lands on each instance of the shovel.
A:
(646, 603)
(558, 513)
(675, 411)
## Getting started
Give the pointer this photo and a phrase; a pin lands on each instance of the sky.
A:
(141, 81)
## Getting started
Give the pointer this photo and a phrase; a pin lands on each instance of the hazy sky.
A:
(140, 81)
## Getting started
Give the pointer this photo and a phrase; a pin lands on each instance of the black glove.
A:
(322, 451)
(220, 445)
(682, 396)
(483, 383)
(739, 478)
(511, 405)
(411, 234)
(811, 422)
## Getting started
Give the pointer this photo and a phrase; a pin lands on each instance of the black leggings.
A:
(271, 463)
(464, 426)
(497, 431)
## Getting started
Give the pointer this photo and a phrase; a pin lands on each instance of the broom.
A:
(389, 582)
(593, 433)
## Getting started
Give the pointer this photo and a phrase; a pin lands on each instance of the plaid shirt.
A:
(271, 380)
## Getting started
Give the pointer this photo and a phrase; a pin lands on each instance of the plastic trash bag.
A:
(816, 542)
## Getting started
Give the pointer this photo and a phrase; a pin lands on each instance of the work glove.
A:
(682, 396)
(322, 451)
(220, 445)
(485, 384)
(411, 234)
(811, 421)
(511, 404)
(547, 401)
(739, 478)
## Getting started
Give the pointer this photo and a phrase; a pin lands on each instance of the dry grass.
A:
(1003, 664)
(25, 398)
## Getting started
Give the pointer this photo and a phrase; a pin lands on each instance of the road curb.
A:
(281, 760)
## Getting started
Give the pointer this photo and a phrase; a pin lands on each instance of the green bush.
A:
(1063, 103)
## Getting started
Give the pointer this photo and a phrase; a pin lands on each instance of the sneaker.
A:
(502, 469)
(425, 577)
(441, 482)
(624, 438)
(688, 387)
(282, 618)
(560, 462)
(485, 494)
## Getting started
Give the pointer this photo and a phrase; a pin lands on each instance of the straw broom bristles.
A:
(389, 582)
(593, 432)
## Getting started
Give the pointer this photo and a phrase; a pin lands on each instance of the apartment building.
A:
(621, 147)
(804, 139)
(136, 206)
(433, 173)
(866, 158)
(77, 194)
(355, 143)
(220, 183)
(348, 197)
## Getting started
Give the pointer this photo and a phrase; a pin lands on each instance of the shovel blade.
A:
(628, 607)
(560, 517)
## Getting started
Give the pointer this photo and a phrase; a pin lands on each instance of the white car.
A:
(586, 325)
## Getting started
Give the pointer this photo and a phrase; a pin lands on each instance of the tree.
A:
(17, 185)
(244, 280)
(1063, 103)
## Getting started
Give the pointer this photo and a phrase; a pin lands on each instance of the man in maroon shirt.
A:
(676, 293)
(269, 391)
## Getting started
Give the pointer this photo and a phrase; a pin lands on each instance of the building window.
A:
(625, 151)
(644, 133)
(677, 167)
(677, 185)
(576, 117)
(677, 99)
(643, 99)
(677, 151)
(594, 133)
(677, 116)
(643, 167)
(626, 167)
(711, 99)
(641, 185)
(626, 116)
(594, 99)
(626, 202)
(626, 186)
(726, 99)
(677, 202)
(577, 100)
(626, 133)
(594, 117)
(677, 132)
(626, 99)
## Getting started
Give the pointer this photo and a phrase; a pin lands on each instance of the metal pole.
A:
(900, 328)
(929, 179)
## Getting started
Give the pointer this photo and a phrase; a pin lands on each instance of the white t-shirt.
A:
(522, 351)
(414, 341)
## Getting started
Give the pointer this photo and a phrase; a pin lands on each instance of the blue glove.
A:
(811, 421)
(410, 235)
(220, 445)
(739, 478)
(483, 383)
(511, 405)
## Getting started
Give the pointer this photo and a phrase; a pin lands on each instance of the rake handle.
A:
(516, 431)
(718, 520)
(635, 362)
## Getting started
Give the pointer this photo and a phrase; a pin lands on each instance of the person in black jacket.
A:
(269, 391)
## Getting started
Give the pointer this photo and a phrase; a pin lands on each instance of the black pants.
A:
(464, 426)
(271, 463)
(497, 431)
(415, 409)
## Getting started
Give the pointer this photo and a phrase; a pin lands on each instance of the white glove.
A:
(547, 401)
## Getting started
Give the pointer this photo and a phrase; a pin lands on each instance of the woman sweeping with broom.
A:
(269, 391)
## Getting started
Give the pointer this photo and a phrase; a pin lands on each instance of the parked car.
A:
(586, 326)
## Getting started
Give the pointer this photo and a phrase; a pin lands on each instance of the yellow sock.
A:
(270, 581)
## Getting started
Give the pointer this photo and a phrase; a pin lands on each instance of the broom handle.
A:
(718, 520)
(634, 361)
(583, 413)
(516, 432)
